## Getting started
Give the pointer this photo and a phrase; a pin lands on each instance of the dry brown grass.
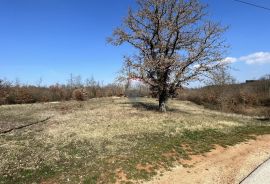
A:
(81, 136)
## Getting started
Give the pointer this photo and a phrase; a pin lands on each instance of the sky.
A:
(50, 39)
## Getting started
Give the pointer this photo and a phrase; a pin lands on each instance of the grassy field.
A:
(111, 140)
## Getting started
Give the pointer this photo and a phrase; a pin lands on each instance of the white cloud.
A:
(254, 58)
(229, 60)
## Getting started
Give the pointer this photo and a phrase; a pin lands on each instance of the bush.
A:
(24, 96)
(79, 94)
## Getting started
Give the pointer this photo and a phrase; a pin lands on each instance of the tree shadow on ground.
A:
(145, 106)
(263, 119)
(152, 107)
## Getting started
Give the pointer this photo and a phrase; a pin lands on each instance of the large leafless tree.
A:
(175, 44)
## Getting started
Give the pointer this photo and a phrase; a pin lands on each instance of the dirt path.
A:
(222, 165)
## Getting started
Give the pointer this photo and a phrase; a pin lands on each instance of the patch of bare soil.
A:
(148, 168)
(121, 176)
(221, 166)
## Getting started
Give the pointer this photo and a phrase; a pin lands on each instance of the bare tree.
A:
(175, 44)
(75, 81)
(221, 76)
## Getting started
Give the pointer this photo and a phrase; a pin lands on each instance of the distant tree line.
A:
(220, 93)
(74, 89)
(18, 93)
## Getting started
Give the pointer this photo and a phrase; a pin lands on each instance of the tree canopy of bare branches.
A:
(175, 44)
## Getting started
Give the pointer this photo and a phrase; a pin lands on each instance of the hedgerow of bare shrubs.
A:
(235, 98)
(19, 93)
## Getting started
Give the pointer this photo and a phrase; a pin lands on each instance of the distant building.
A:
(249, 81)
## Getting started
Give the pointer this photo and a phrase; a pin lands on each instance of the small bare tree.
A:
(221, 76)
(175, 44)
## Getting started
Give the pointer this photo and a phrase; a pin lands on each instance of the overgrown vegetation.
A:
(111, 139)
(75, 89)
(252, 98)
(11, 93)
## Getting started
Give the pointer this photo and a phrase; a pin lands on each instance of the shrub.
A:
(79, 94)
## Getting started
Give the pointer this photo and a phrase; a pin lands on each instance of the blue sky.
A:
(50, 39)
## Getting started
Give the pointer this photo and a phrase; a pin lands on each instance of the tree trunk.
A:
(162, 102)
